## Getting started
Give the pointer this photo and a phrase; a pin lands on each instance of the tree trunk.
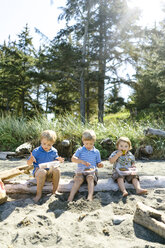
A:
(82, 77)
(102, 62)
(23, 101)
(87, 102)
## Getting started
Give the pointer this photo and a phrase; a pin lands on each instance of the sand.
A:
(105, 222)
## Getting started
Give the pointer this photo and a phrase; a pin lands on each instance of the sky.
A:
(43, 15)
(40, 14)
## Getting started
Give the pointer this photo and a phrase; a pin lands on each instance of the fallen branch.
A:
(3, 197)
(151, 131)
(15, 172)
(150, 218)
(65, 185)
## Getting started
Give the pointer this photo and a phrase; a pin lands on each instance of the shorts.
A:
(129, 178)
(84, 177)
(49, 175)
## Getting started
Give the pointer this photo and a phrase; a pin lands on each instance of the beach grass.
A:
(15, 131)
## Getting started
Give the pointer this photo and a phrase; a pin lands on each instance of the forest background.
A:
(70, 75)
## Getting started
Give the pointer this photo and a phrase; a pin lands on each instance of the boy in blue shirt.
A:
(42, 154)
(88, 158)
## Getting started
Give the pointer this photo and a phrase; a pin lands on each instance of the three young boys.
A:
(88, 159)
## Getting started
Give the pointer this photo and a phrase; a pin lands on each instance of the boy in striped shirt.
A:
(88, 159)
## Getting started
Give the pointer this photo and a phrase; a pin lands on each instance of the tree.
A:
(16, 62)
(149, 89)
(110, 28)
(114, 101)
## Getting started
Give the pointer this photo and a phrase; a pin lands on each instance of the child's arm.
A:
(114, 158)
(60, 159)
(133, 165)
(100, 165)
(79, 161)
(31, 160)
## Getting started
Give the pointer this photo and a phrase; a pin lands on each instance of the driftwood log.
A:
(150, 218)
(15, 172)
(5, 155)
(65, 185)
(152, 131)
(143, 151)
(3, 196)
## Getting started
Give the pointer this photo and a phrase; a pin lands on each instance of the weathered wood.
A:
(3, 197)
(7, 174)
(143, 151)
(5, 155)
(147, 150)
(24, 149)
(152, 131)
(65, 185)
(150, 218)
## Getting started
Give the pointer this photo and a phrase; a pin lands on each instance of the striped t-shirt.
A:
(91, 156)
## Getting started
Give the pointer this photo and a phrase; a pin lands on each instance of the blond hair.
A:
(50, 135)
(124, 139)
(89, 135)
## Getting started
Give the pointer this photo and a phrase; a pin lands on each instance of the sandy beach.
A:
(107, 221)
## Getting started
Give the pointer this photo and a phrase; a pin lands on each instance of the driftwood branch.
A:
(143, 151)
(3, 197)
(65, 185)
(7, 174)
(151, 131)
(150, 218)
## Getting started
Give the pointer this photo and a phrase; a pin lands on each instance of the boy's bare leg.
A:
(90, 181)
(120, 182)
(77, 183)
(55, 179)
(40, 176)
(139, 190)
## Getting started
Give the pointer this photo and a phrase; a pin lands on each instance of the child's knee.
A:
(120, 179)
(78, 179)
(41, 173)
(90, 179)
(56, 171)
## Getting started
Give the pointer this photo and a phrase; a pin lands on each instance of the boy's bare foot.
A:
(37, 198)
(142, 191)
(125, 193)
(89, 198)
(54, 193)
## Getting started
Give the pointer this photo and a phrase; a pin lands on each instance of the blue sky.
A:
(42, 14)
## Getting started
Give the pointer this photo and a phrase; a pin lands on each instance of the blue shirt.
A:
(42, 156)
(91, 156)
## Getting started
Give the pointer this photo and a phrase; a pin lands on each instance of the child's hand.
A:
(86, 163)
(32, 158)
(60, 159)
(100, 165)
(120, 153)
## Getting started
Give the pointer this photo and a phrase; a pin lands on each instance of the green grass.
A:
(117, 116)
(15, 131)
